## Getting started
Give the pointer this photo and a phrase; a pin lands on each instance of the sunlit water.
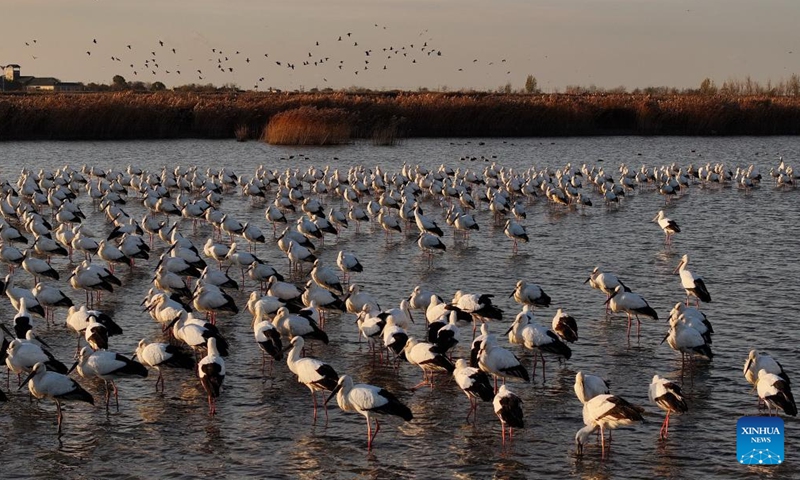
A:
(744, 245)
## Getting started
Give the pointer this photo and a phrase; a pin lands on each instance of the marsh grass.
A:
(326, 118)
(309, 125)
(242, 133)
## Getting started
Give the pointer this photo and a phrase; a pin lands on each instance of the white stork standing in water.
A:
(508, 408)
(45, 384)
(530, 294)
(762, 361)
(347, 263)
(210, 299)
(565, 326)
(314, 374)
(268, 339)
(606, 412)
(211, 371)
(326, 278)
(667, 395)
(668, 225)
(685, 339)
(498, 361)
(426, 357)
(694, 318)
(429, 244)
(525, 331)
(108, 366)
(632, 304)
(774, 391)
(368, 400)
(155, 355)
(475, 384)
(516, 233)
(694, 285)
(478, 306)
(605, 282)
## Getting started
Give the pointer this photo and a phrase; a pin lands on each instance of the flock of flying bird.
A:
(191, 286)
(347, 53)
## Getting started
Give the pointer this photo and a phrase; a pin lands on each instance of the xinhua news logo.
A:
(759, 440)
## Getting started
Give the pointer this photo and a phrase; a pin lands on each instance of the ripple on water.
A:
(744, 246)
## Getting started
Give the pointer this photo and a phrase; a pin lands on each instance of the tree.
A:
(119, 83)
(158, 87)
(531, 85)
(707, 87)
(793, 88)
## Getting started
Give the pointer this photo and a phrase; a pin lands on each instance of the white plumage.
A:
(667, 225)
(606, 412)
(667, 395)
(45, 384)
(530, 294)
(632, 304)
(498, 361)
(774, 391)
(589, 386)
(694, 285)
(367, 400)
(515, 232)
(314, 374)
(425, 356)
(762, 361)
(211, 370)
(508, 408)
(156, 354)
(326, 277)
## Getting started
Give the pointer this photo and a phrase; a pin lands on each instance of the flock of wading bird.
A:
(43, 216)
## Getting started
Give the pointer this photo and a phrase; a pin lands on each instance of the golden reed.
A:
(321, 118)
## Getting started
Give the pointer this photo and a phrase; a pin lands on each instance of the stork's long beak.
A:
(512, 293)
(5, 329)
(587, 280)
(73, 367)
(678, 267)
(610, 297)
(333, 393)
(664, 339)
(172, 323)
(38, 339)
(28, 379)
(509, 330)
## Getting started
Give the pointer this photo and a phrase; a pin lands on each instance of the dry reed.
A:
(309, 126)
(242, 133)
(129, 115)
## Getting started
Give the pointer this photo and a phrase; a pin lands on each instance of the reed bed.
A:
(309, 125)
(386, 117)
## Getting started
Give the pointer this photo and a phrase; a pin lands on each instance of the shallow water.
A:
(744, 245)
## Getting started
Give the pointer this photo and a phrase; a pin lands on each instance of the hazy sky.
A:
(608, 43)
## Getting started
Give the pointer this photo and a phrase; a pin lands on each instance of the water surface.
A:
(744, 245)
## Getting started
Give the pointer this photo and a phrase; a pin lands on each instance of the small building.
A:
(11, 72)
(42, 83)
(13, 80)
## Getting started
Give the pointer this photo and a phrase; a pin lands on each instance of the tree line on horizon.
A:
(732, 87)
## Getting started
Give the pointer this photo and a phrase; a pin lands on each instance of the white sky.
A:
(608, 43)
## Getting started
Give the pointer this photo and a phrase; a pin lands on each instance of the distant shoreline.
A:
(173, 115)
